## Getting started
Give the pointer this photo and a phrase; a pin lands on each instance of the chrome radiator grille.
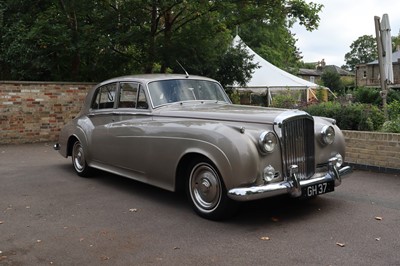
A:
(297, 141)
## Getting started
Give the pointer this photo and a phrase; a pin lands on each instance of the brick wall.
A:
(35, 111)
(373, 150)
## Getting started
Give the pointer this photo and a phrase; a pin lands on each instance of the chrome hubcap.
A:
(205, 187)
(78, 157)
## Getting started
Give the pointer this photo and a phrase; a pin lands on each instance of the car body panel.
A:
(150, 144)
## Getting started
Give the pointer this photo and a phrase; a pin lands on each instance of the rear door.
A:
(101, 115)
(127, 131)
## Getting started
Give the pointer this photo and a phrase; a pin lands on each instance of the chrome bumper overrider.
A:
(292, 185)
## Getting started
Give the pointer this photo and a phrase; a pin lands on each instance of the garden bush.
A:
(392, 126)
(357, 116)
(394, 109)
(367, 95)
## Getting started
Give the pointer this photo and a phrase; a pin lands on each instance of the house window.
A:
(312, 79)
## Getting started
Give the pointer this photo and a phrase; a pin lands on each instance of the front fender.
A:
(234, 154)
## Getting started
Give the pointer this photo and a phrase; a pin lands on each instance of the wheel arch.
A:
(70, 143)
(184, 163)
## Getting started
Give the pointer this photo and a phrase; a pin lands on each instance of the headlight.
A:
(328, 135)
(267, 141)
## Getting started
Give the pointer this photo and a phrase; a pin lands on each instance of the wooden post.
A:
(383, 80)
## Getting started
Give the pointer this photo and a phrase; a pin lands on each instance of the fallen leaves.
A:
(342, 245)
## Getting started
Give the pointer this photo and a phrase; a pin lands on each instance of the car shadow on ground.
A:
(270, 210)
(282, 209)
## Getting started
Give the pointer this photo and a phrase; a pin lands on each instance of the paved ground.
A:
(50, 216)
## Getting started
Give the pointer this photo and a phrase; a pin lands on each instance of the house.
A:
(368, 75)
(314, 75)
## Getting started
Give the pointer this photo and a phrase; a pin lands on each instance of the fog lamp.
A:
(269, 173)
(339, 161)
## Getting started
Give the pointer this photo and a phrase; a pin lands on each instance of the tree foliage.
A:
(94, 40)
(363, 50)
(331, 79)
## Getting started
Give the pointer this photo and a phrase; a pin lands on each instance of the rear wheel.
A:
(79, 160)
(207, 192)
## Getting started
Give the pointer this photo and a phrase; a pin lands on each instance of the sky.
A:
(341, 23)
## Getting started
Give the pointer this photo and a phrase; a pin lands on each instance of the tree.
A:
(95, 40)
(331, 79)
(396, 41)
(266, 28)
(363, 50)
(57, 40)
(236, 66)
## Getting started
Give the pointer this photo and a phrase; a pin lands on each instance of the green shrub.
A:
(285, 100)
(394, 109)
(393, 95)
(331, 79)
(327, 109)
(358, 116)
(234, 96)
(367, 95)
(392, 126)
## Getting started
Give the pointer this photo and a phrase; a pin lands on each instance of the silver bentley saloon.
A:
(181, 132)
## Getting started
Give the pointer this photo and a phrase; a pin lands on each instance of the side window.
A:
(128, 95)
(104, 97)
(142, 101)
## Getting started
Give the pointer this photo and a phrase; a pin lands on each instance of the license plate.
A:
(317, 189)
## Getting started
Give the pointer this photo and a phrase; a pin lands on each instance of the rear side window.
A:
(128, 95)
(104, 97)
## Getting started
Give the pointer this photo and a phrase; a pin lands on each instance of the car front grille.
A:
(297, 142)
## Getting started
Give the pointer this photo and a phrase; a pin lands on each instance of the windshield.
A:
(179, 90)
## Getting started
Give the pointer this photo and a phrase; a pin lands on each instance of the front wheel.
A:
(79, 160)
(207, 192)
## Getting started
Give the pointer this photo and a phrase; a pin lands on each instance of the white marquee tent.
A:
(267, 77)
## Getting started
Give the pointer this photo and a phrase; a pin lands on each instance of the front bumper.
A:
(291, 185)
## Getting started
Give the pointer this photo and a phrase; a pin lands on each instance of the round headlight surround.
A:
(328, 135)
(267, 141)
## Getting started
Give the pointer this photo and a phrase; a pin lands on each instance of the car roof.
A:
(146, 78)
